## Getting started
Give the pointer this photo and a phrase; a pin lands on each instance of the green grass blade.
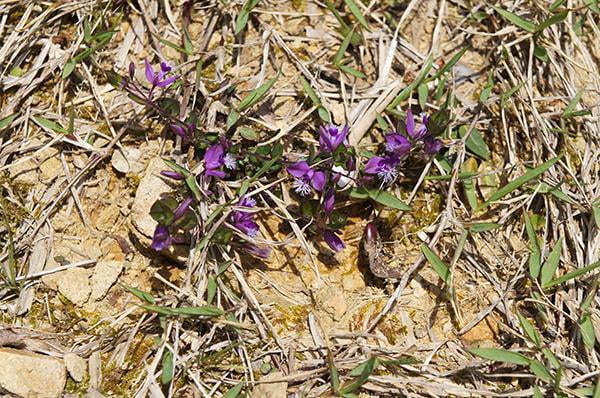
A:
(234, 391)
(355, 10)
(438, 265)
(49, 124)
(540, 371)
(5, 122)
(367, 370)
(256, 95)
(242, 19)
(516, 20)
(556, 18)
(551, 264)
(339, 55)
(529, 330)
(500, 355)
(513, 185)
(535, 257)
(448, 65)
(351, 71)
(572, 275)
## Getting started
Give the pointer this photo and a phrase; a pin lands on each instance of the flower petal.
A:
(318, 180)
(334, 241)
(214, 156)
(298, 169)
(149, 72)
(373, 165)
(161, 239)
(167, 82)
(172, 174)
(182, 208)
(410, 123)
(329, 201)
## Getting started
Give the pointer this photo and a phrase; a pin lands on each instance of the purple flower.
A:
(258, 251)
(414, 132)
(172, 174)
(331, 136)
(397, 144)
(386, 168)
(305, 177)
(329, 201)
(182, 208)
(158, 79)
(215, 157)
(334, 241)
(244, 221)
(161, 239)
(186, 133)
(431, 145)
(371, 232)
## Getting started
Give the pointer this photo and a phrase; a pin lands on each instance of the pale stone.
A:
(76, 366)
(73, 283)
(24, 172)
(104, 276)
(127, 160)
(26, 374)
(270, 390)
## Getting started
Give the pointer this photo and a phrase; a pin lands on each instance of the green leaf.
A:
(513, 185)
(68, 69)
(551, 358)
(540, 371)
(234, 391)
(475, 143)
(422, 93)
(242, 18)
(5, 122)
(206, 310)
(516, 20)
(541, 53)
(167, 367)
(367, 370)
(87, 31)
(49, 124)
(256, 95)
(551, 264)
(483, 227)
(211, 289)
(487, 89)
(324, 114)
(142, 295)
(572, 275)
(175, 167)
(529, 330)
(586, 327)
(351, 71)
(500, 355)
(593, 5)
(556, 18)
(597, 387)
(506, 96)
(248, 133)
(570, 111)
(232, 118)
(192, 184)
(309, 91)
(334, 376)
(381, 197)
(535, 257)
(357, 13)
(537, 393)
(596, 211)
(438, 265)
(342, 50)
(162, 210)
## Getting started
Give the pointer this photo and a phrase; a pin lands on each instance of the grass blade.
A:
(5, 122)
(551, 264)
(242, 19)
(516, 20)
(572, 275)
(357, 13)
(529, 330)
(535, 257)
(438, 265)
(256, 95)
(513, 185)
(500, 355)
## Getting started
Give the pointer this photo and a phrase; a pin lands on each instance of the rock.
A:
(24, 172)
(104, 276)
(50, 165)
(127, 160)
(73, 283)
(270, 390)
(151, 188)
(76, 366)
(26, 374)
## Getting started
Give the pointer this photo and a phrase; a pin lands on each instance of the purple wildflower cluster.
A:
(398, 146)
(334, 167)
(328, 174)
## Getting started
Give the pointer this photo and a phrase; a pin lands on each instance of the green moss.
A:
(292, 317)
